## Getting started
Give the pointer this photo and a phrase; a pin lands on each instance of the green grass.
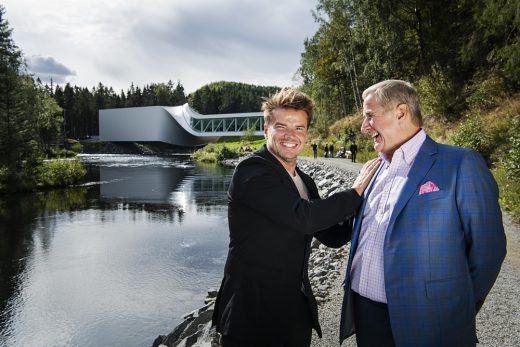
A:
(226, 148)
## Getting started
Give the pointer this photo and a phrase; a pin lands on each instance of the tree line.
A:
(229, 97)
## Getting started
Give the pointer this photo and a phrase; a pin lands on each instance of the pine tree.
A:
(14, 127)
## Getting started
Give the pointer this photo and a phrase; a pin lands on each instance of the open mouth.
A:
(289, 145)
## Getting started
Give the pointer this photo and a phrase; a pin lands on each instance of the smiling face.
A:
(286, 134)
(384, 126)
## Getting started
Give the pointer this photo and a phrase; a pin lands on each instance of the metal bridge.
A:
(179, 125)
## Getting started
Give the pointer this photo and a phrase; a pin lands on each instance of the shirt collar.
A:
(409, 149)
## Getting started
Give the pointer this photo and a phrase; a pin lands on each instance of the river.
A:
(116, 261)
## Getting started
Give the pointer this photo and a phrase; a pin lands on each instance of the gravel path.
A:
(498, 322)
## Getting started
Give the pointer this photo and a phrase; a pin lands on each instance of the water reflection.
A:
(115, 262)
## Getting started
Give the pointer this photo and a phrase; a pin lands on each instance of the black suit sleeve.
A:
(260, 186)
(337, 235)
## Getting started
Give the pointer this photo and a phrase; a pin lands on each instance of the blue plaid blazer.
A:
(443, 250)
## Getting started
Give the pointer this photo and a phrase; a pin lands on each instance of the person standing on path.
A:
(265, 298)
(428, 241)
(353, 151)
(315, 150)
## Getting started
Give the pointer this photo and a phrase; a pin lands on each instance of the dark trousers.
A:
(299, 336)
(372, 323)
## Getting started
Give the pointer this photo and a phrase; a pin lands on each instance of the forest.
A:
(462, 56)
(457, 53)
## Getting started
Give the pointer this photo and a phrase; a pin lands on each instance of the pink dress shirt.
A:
(367, 273)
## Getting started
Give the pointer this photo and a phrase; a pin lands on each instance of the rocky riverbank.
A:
(498, 322)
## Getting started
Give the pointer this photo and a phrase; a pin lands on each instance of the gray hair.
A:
(396, 92)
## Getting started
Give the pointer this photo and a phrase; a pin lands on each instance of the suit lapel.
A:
(421, 165)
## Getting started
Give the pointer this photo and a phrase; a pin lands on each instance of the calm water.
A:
(115, 262)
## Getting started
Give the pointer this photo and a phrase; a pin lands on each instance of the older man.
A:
(428, 241)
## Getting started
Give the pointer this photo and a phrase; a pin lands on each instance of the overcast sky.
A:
(196, 42)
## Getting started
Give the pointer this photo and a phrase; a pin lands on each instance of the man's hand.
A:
(365, 175)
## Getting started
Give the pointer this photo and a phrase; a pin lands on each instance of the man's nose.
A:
(289, 131)
(365, 126)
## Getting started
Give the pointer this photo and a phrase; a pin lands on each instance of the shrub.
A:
(438, 95)
(248, 135)
(473, 134)
(73, 145)
(215, 153)
(205, 157)
(60, 153)
(509, 192)
(486, 91)
(227, 153)
(512, 158)
(60, 173)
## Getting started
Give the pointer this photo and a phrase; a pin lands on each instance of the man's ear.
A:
(402, 110)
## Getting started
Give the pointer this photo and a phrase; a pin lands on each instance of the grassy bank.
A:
(227, 148)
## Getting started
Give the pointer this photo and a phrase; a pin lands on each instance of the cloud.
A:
(197, 42)
(246, 41)
(47, 68)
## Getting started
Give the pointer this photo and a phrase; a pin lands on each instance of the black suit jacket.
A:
(271, 228)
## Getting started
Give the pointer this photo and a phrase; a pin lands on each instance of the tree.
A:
(48, 117)
(178, 95)
(494, 41)
(15, 128)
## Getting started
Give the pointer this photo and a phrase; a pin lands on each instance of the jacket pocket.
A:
(432, 196)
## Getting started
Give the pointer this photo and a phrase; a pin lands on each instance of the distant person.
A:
(326, 150)
(274, 211)
(428, 241)
(331, 150)
(353, 151)
(341, 152)
(315, 150)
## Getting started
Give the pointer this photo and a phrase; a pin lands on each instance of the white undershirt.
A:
(302, 189)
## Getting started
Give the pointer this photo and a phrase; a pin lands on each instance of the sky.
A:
(194, 42)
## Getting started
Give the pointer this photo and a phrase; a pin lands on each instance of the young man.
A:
(428, 240)
(265, 298)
